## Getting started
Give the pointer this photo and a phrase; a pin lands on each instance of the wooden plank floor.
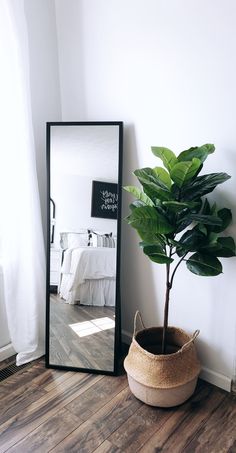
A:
(44, 410)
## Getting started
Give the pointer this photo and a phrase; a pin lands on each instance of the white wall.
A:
(70, 50)
(44, 80)
(167, 69)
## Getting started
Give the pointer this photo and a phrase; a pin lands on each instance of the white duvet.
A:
(89, 263)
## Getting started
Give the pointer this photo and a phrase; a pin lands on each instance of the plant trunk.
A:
(166, 310)
(165, 325)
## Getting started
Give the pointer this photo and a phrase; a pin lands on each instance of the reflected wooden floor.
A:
(81, 336)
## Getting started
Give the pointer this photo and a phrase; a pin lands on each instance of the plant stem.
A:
(166, 312)
(169, 283)
(166, 309)
(175, 269)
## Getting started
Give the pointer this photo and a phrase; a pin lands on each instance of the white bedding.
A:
(89, 275)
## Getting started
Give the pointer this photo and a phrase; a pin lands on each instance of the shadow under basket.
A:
(163, 380)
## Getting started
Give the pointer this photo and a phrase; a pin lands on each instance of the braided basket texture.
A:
(148, 370)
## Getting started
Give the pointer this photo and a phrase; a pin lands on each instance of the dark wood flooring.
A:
(67, 348)
(44, 410)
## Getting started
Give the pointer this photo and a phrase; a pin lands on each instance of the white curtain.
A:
(23, 255)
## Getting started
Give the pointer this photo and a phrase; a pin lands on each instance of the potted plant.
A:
(176, 225)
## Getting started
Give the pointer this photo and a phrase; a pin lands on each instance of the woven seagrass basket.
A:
(163, 380)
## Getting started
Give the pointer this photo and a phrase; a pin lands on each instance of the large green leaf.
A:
(139, 194)
(226, 218)
(210, 249)
(136, 204)
(151, 238)
(182, 172)
(156, 194)
(228, 247)
(163, 176)
(157, 254)
(212, 237)
(191, 241)
(182, 223)
(148, 219)
(177, 206)
(206, 209)
(153, 186)
(224, 247)
(205, 219)
(176, 192)
(200, 152)
(167, 156)
(187, 218)
(204, 265)
(202, 228)
(202, 185)
(149, 176)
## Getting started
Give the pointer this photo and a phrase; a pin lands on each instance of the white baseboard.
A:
(217, 379)
(6, 352)
(206, 374)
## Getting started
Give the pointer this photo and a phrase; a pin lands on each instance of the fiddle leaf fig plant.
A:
(175, 223)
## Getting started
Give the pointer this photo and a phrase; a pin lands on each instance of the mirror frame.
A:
(117, 342)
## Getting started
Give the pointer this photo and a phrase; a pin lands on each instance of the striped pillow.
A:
(101, 240)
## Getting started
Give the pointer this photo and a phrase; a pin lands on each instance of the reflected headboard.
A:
(53, 218)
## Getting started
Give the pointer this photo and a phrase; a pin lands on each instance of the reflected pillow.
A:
(97, 239)
(74, 240)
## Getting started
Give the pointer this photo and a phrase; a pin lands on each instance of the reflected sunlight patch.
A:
(82, 329)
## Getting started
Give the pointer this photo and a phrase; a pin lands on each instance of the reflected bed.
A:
(88, 276)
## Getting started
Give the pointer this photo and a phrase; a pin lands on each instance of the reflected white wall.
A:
(79, 155)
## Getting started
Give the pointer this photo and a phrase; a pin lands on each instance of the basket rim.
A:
(162, 357)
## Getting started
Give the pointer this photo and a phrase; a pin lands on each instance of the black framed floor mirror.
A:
(84, 176)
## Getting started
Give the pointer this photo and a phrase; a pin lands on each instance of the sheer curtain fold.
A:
(23, 255)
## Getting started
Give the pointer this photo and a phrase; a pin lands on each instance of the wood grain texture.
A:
(67, 348)
(97, 396)
(22, 377)
(60, 411)
(186, 419)
(17, 427)
(219, 431)
(104, 422)
(48, 433)
(107, 447)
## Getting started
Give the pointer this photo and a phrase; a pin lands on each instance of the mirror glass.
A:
(84, 205)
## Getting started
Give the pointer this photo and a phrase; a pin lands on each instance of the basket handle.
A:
(137, 317)
(195, 335)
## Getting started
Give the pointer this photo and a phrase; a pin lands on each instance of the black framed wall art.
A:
(104, 200)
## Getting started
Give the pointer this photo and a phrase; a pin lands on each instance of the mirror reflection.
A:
(84, 164)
